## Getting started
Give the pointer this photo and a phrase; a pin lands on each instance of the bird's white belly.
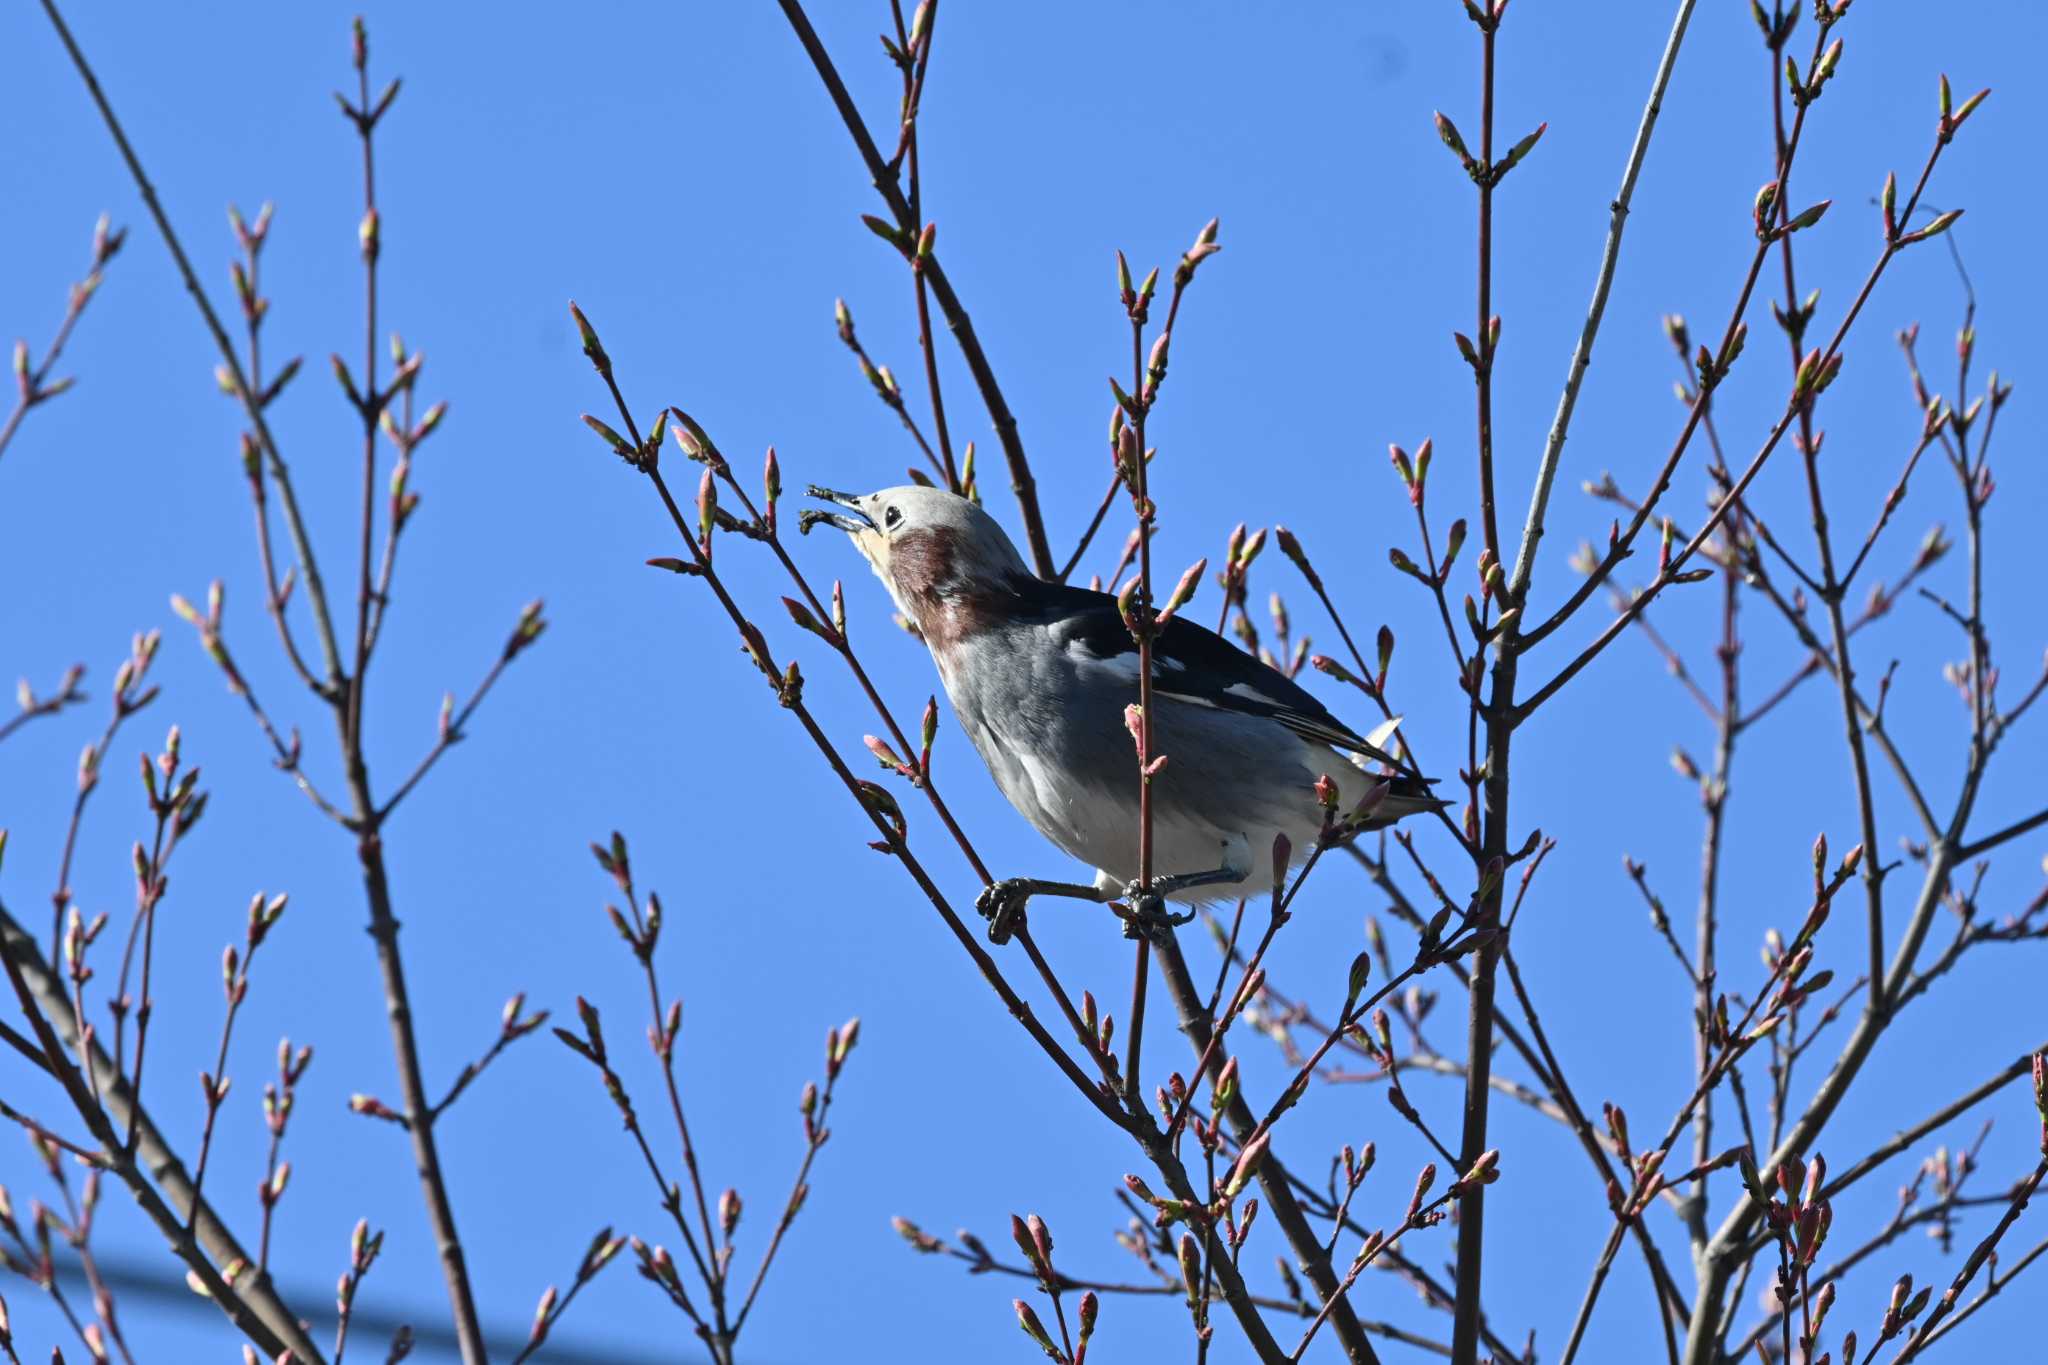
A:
(1098, 824)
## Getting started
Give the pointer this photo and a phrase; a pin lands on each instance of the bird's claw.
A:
(1002, 905)
(1148, 917)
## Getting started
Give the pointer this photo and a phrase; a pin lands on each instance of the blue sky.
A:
(678, 171)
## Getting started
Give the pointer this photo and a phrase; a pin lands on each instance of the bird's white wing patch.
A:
(1123, 666)
(1117, 670)
(1168, 670)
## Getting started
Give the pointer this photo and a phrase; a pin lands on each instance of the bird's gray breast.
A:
(1053, 741)
(1048, 719)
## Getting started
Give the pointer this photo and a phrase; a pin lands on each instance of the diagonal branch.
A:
(1979, 847)
(1308, 1248)
(316, 590)
(196, 1234)
(1582, 353)
(1021, 481)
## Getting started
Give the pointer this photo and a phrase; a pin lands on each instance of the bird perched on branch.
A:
(1040, 674)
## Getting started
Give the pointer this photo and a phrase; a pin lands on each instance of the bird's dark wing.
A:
(1194, 665)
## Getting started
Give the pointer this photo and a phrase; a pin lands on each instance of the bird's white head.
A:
(937, 553)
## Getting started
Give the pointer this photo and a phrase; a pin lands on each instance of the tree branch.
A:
(1021, 481)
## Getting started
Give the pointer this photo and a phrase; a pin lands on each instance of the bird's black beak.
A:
(811, 516)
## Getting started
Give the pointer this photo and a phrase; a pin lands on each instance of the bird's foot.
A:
(1002, 905)
(1148, 918)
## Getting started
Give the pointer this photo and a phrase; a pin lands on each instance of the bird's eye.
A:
(891, 517)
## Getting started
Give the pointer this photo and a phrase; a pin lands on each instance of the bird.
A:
(1039, 674)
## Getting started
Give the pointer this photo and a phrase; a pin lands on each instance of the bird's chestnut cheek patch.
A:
(926, 567)
(924, 560)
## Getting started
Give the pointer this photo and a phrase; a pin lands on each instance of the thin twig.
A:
(1021, 481)
(1603, 282)
(315, 589)
(152, 1171)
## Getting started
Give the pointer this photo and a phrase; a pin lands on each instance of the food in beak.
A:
(811, 516)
